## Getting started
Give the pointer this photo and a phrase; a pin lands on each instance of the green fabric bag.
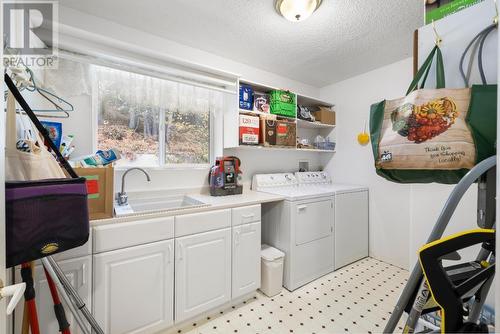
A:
(435, 135)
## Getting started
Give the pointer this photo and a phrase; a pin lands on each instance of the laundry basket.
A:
(271, 270)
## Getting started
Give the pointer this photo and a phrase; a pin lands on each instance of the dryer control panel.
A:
(313, 178)
(265, 181)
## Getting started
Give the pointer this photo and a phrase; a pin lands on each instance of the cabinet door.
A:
(351, 227)
(246, 259)
(133, 288)
(202, 272)
(78, 272)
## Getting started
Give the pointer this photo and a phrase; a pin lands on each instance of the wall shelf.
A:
(315, 150)
(305, 131)
(281, 148)
(300, 122)
(244, 111)
(313, 125)
(266, 148)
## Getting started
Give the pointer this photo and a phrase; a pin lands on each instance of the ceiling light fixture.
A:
(296, 10)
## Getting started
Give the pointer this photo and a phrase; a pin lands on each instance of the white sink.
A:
(157, 204)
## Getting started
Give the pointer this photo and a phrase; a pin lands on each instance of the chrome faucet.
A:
(121, 197)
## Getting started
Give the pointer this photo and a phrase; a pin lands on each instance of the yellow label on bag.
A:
(50, 248)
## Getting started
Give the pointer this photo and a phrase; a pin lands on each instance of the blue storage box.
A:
(246, 97)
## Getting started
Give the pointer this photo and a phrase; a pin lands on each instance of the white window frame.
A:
(213, 149)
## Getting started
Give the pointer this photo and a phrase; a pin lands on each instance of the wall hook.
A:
(495, 19)
(438, 39)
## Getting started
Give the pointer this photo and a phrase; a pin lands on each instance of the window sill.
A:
(123, 168)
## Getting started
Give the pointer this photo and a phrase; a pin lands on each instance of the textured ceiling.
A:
(342, 39)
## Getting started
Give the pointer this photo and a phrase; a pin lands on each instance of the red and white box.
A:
(249, 130)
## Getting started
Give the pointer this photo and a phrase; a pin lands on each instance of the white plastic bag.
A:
(38, 164)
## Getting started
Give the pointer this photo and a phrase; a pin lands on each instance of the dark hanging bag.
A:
(435, 135)
(48, 216)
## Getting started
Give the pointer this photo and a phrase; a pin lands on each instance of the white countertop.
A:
(248, 197)
(211, 203)
(311, 191)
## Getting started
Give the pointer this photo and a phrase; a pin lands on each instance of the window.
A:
(154, 121)
(150, 120)
(187, 135)
(128, 114)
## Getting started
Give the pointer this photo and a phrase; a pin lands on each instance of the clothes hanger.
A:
(53, 99)
(61, 109)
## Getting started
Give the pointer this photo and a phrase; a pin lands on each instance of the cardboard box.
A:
(286, 133)
(325, 115)
(249, 130)
(100, 190)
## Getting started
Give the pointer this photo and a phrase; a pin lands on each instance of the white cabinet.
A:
(202, 272)
(246, 259)
(78, 272)
(351, 227)
(202, 222)
(133, 288)
(109, 237)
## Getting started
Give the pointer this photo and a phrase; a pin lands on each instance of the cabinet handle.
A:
(237, 238)
(180, 251)
(169, 256)
(84, 274)
(302, 207)
(248, 216)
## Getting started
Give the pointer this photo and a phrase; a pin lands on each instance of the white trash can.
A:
(271, 270)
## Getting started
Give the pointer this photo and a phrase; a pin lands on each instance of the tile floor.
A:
(358, 298)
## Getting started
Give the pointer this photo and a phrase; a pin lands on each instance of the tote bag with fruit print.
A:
(434, 135)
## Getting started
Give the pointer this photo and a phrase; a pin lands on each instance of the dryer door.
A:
(313, 220)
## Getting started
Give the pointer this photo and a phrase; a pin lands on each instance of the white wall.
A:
(457, 31)
(401, 216)
(389, 202)
(175, 178)
(267, 161)
(170, 48)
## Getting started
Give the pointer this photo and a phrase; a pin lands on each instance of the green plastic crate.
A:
(283, 103)
(448, 9)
